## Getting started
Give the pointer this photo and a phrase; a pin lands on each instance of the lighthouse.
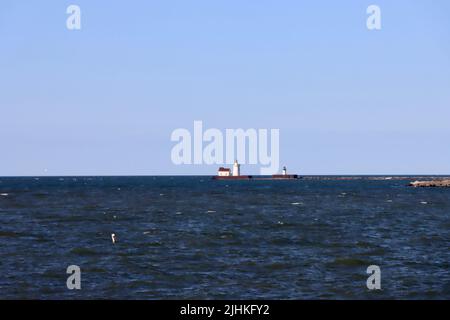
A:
(235, 174)
(231, 174)
(236, 169)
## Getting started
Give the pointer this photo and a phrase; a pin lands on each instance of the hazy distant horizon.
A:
(214, 174)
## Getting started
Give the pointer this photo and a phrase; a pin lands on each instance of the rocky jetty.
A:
(433, 183)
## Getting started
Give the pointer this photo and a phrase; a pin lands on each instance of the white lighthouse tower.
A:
(284, 171)
(236, 169)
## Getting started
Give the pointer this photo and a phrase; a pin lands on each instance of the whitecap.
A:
(423, 202)
(296, 203)
(4, 194)
(210, 211)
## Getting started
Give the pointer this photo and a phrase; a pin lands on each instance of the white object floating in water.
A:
(178, 212)
(388, 200)
(296, 203)
(423, 202)
(113, 237)
(4, 194)
(161, 194)
(210, 211)
(281, 223)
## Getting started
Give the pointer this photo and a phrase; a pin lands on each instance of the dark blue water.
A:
(191, 237)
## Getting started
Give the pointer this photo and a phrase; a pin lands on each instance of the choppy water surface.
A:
(191, 237)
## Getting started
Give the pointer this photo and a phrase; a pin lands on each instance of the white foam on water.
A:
(423, 202)
(296, 203)
(210, 211)
(4, 194)
(178, 212)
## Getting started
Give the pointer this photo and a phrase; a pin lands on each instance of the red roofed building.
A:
(223, 172)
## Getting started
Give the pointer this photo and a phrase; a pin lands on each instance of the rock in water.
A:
(432, 183)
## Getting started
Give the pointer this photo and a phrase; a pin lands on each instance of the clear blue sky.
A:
(104, 100)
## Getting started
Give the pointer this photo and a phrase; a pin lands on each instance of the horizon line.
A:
(213, 175)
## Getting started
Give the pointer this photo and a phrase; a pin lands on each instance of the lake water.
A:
(195, 238)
